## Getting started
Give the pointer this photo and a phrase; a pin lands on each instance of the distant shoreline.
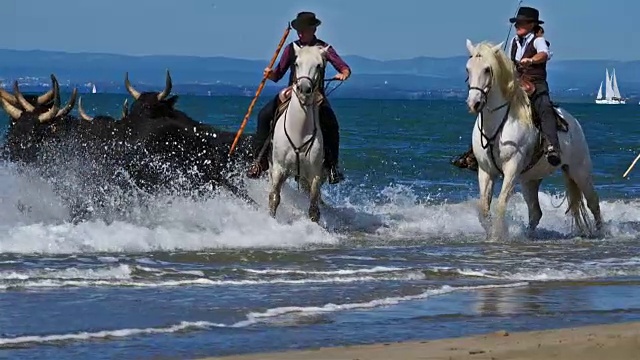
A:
(596, 342)
(269, 91)
(403, 78)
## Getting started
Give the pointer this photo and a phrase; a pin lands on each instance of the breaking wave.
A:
(35, 220)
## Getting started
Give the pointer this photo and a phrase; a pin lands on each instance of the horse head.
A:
(309, 70)
(482, 67)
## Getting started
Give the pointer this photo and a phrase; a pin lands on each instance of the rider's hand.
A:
(340, 77)
(268, 73)
(526, 61)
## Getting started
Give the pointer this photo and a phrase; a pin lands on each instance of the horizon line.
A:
(266, 60)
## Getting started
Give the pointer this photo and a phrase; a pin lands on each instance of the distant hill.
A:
(417, 77)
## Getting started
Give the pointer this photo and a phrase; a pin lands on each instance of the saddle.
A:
(561, 124)
(285, 97)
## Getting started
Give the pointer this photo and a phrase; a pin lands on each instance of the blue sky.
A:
(577, 29)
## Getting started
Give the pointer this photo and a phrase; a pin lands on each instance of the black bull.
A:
(159, 146)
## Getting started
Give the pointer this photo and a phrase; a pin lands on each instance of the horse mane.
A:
(506, 77)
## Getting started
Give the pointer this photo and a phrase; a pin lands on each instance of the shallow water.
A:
(399, 253)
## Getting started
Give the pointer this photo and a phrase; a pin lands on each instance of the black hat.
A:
(526, 13)
(304, 20)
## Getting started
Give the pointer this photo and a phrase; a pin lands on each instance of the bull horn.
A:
(50, 115)
(45, 98)
(125, 109)
(130, 88)
(167, 87)
(8, 96)
(13, 111)
(83, 114)
(23, 102)
(67, 108)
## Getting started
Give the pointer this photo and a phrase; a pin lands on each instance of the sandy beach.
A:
(609, 342)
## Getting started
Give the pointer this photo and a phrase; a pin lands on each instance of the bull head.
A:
(16, 113)
(42, 99)
(161, 96)
(46, 98)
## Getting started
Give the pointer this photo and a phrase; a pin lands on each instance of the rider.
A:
(305, 24)
(530, 53)
(539, 30)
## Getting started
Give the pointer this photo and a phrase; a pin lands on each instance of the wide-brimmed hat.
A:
(526, 13)
(305, 20)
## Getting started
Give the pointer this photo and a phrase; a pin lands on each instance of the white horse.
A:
(506, 142)
(297, 145)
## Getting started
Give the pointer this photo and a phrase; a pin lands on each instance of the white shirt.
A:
(540, 44)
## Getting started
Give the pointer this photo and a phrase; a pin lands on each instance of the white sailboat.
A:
(611, 91)
(94, 90)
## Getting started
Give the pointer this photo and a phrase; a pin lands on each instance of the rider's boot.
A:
(466, 160)
(258, 167)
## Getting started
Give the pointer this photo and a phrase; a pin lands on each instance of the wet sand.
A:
(608, 342)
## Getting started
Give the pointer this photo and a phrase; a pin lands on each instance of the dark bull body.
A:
(147, 141)
(190, 146)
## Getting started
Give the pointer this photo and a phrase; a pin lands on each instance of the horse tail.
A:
(576, 205)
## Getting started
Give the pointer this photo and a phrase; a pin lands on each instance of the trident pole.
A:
(260, 87)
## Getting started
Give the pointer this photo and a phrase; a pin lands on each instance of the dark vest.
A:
(292, 61)
(534, 71)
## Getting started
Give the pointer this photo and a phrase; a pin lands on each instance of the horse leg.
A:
(500, 229)
(530, 193)
(277, 180)
(485, 183)
(584, 182)
(306, 187)
(314, 199)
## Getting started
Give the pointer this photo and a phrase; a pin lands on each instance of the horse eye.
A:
(486, 71)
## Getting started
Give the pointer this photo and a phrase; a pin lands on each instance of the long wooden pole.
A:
(260, 87)
(631, 166)
(506, 42)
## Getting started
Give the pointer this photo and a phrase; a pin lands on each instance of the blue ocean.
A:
(398, 254)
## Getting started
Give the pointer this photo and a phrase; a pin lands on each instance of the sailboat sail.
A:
(94, 90)
(611, 90)
(616, 91)
(608, 92)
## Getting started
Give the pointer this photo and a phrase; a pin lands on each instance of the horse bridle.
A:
(315, 86)
(485, 96)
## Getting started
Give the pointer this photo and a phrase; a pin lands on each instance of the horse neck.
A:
(301, 120)
(495, 111)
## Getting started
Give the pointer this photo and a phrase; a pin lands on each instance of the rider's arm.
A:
(543, 54)
(283, 65)
(338, 63)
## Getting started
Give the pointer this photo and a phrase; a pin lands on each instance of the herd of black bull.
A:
(151, 141)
